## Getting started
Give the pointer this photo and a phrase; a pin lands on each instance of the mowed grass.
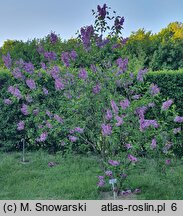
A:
(71, 178)
(75, 177)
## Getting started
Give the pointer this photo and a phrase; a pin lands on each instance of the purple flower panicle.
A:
(24, 109)
(96, 89)
(114, 107)
(20, 125)
(50, 56)
(140, 75)
(154, 90)
(42, 137)
(167, 104)
(79, 130)
(45, 91)
(153, 144)
(128, 146)
(113, 162)
(102, 11)
(119, 121)
(177, 130)
(17, 73)
(125, 104)
(31, 83)
(86, 33)
(58, 118)
(118, 23)
(145, 123)
(73, 55)
(59, 84)
(7, 101)
(83, 74)
(7, 60)
(29, 67)
(178, 119)
(106, 129)
(122, 64)
(65, 58)
(73, 138)
(132, 158)
(15, 91)
(108, 115)
(53, 38)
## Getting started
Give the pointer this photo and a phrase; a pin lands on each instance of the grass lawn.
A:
(76, 177)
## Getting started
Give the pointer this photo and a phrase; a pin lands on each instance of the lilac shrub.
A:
(105, 109)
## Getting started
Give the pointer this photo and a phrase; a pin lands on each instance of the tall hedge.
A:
(171, 85)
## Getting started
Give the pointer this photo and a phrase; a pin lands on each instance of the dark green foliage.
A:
(171, 85)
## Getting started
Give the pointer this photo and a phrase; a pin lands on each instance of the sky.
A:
(28, 19)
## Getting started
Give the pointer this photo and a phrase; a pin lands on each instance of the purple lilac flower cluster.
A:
(7, 60)
(124, 40)
(59, 84)
(96, 89)
(108, 115)
(128, 145)
(45, 91)
(119, 121)
(102, 43)
(58, 118)
(101, 181)
(31, 84)
(102, 11)
(122, 64)
(53, 38)
(178, 119)
(153, 144)
(167, 104)
(118, 23)
(49, 125)
(140, 75)
(7, 101)
(20, 125)
(154, 90)
(66, 57)
(106, 129)
(29, 67)
(42, 137)
(145, 123)
(93, 68)
(83, 74)
(17, 73)
(24, 109)
(72, 138)
(113, 162)
(86, 33)
(114, 107)
(177, 130)
(15, 92)
(76, 129)
(132, 158)
(125, 103)
(50, 56)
